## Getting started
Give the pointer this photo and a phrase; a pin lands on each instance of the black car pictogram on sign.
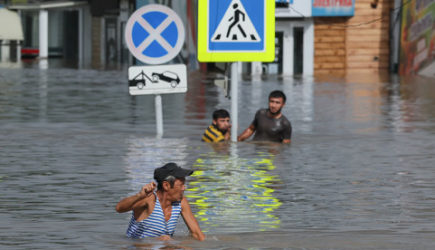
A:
(167, 76)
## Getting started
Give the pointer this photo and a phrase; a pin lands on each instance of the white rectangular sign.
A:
(162, 79)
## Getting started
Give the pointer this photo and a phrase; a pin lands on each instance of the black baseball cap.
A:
(168, 169)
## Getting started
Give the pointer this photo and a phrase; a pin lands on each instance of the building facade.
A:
(417, 39)
(313, 37)
(294, 39)
(359, 44)
(86, 33)
(11, 35)
(55, 29)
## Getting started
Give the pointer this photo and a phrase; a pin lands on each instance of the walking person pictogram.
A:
(235, 25)
(236, 19)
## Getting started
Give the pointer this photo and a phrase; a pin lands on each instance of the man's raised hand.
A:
(147, 189)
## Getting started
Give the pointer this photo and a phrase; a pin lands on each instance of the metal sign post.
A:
(154, 34)
(159, 115)
(234, 100)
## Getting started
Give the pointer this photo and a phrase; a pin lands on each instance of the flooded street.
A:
(359, 173)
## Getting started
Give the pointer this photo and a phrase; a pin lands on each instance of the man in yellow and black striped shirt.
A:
(220, 129)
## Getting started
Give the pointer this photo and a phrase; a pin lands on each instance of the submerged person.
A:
(220, 128)
(156, 213)
(270, 124)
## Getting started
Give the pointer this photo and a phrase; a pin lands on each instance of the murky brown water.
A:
(358, 174)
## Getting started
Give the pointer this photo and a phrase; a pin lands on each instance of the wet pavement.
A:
(358, 174)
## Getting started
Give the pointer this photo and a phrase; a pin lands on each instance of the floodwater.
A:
(359, 173)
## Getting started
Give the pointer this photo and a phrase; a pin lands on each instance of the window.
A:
(282, 3)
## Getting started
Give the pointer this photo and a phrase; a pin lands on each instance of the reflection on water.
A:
(232, 192)
(358, 174)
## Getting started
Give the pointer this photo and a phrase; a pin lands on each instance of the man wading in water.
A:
(220, 128)
(156, 213)
(270, 124)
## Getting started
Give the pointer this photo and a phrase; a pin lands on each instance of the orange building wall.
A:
(329, 46)
(368, 45)
(347, 46)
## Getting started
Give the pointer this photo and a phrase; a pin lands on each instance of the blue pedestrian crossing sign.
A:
(154, 34)
(236, 30)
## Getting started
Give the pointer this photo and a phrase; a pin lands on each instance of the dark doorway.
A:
(31, 35)
(71, 31)
(279, 50)
(124, 49)
(111, 40)
(13, 55)
(275, 67)
(298, 56)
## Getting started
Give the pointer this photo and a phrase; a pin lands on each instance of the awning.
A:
(48, 5)
(10, 28)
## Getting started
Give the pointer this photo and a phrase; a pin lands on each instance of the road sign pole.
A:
(234, 101)
(159, 115)
(233, 31)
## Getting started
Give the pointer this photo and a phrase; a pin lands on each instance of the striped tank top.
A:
(155, 225)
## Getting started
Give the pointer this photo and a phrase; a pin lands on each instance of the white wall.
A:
(286, 26)
(43, 34)
(4, 50)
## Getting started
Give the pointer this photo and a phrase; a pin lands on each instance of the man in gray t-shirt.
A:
(270, 124)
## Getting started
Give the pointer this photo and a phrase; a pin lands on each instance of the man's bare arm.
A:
(190, 220)
(247, 133)
(129, 203)
(286, 141)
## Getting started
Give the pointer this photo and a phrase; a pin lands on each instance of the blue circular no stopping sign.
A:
(154, 34)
